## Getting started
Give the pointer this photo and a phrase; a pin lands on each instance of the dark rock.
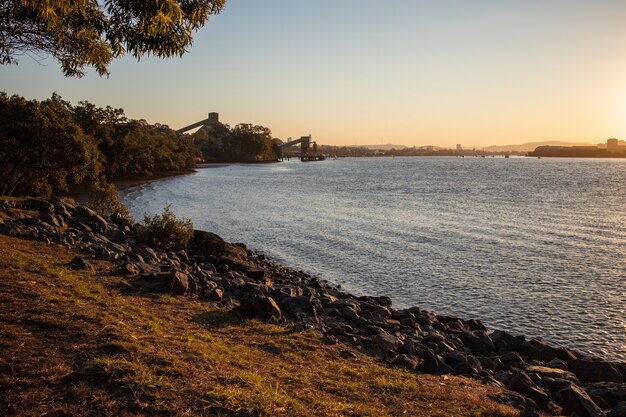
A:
(542, 351)
(611, 393)
(81, 263)
(575, 400)
(37, 204)
(50, 219)
(385, 342)
(177, 282)
(260, 306)
(433, 364)
(215, 295)
(302, 306)
(84, 212)
(128, 269)
(565, 354)
(257, 273)
(512, 358)
(544, 371)
(478, 342)
(522, 384)
(405, 361)
(527, 406)
(595, 371)
(348, 312)
(619, 410)
(475, 325)
(506, 342)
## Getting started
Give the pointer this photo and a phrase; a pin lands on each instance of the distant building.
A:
(458, 147)
(612, 144)
(214, 118)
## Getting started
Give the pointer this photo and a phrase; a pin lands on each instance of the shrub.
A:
(165, 231)
(104, 200)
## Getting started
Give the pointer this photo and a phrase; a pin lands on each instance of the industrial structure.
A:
(308, 149)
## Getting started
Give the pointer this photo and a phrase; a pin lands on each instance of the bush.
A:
(104, 200)
(164, 231)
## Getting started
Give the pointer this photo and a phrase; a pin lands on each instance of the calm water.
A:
(532, 246)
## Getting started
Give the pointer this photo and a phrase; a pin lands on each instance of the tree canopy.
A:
(90, 33)
(46, 146)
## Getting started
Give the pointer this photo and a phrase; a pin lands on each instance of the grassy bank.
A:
(84, 343)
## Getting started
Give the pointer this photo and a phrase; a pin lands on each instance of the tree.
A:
(90, 33)
(42, 150)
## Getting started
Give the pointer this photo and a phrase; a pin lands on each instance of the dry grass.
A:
(72, 344)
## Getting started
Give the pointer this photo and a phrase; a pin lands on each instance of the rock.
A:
(462, 363)
(215, 295)
(619, 410)
(405, 361)
(260, 306)
(50, 219)
(475, 325)
(302, 306)
(81, 263)
(610, 392)
(83, 212)
(348, 312)
(575, 400)
(177, 282)
(529, 407)
(433, 364)
(544, 371)
(386, 342)
(127, 269)
(478, 342)
(542, 351)
(595, 371)
(506, 342)
(522, 384)
(38, 204)
(257, 273)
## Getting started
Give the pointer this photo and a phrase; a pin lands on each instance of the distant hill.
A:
(385, 147)
(531, 146)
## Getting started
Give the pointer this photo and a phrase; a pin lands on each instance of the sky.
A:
(408, 72)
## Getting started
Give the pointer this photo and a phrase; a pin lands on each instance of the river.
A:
(532, 246)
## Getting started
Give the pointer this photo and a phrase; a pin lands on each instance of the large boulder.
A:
(611, 393)
(506, 342)
(478, 342)
(522, 384)
(259, 306)
(595, 371)
(575, 400)
(209, 244)
(177, 282)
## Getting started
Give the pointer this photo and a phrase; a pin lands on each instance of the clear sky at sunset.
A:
(406, 72)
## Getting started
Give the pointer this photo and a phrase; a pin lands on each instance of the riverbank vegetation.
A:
(45, 146)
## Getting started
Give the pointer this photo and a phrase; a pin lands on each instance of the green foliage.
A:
(46, 146)
(90, 33)
(165, 231)
(42, 149)
(104, 200)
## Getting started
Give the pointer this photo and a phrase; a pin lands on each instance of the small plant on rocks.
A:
(165, 231)
(104, 200)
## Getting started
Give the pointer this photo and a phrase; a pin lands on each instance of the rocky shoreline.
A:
(540, 378)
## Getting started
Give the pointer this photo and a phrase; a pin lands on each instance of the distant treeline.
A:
(362, 151)
(47, 145)
(218, 142)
